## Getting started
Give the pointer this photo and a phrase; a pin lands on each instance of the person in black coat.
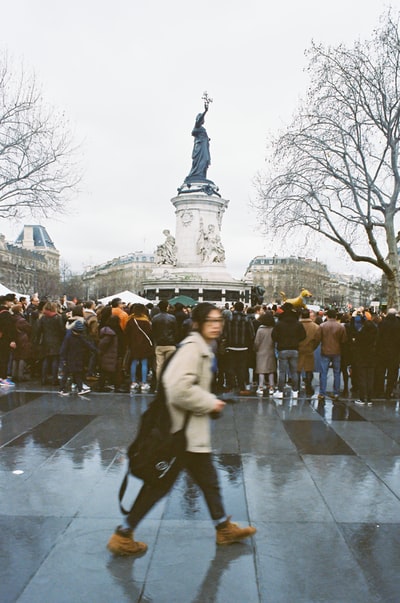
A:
(72, 357)
(388, 354)
(364, 358)
(7, 333)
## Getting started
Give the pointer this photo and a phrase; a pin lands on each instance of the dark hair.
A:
(115, 302)
(77, 311)
(239, 306)
(163, 305)
(267, 319)
(138, 310)
(331, 313)
(113, 322)
(105, 314)
(201, 311)
(305, 313)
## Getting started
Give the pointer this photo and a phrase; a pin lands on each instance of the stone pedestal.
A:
(199, 270)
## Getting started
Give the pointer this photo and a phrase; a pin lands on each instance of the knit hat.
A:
(392, 311)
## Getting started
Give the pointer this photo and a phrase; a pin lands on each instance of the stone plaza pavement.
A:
(321, 484)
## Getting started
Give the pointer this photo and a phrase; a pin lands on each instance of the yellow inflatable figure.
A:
(297, 302)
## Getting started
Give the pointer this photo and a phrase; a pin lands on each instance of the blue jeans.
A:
(288, 366)
(325, 362)
(144, 369)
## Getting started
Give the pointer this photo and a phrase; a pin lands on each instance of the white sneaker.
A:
(295, 394)
(260, 391)
(278, 394)
(271, 391)
(145, 387)
(84, 390)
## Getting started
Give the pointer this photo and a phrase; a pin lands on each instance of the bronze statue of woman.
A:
(201, 158)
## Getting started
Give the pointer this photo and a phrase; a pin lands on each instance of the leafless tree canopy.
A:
(36, 168)
(335, 170)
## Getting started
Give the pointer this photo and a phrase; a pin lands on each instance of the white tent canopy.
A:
(127, 297)
(4, 290)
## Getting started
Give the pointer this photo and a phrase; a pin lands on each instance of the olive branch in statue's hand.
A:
(207, 100)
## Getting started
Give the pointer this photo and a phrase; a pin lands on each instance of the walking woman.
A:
(187, 382)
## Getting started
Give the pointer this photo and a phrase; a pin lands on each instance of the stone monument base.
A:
(211, 285)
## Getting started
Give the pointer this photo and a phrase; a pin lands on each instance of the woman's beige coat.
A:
(187, 381)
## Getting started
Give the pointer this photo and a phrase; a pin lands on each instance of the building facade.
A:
(289, 275)
(127, 272)
(31, 263)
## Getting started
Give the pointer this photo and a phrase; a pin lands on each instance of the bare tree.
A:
(36, 152)
(335, 170)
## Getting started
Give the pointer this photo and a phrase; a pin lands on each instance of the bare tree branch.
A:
(37, 170)
(335, 170)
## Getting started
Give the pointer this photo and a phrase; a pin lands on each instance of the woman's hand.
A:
(219, 406)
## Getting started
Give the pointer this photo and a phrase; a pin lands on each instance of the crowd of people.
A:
(119, 347)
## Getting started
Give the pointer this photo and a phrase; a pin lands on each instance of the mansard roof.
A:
(41, 237)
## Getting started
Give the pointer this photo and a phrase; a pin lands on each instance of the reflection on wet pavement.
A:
(320, 482)
(55, 431)
(312, 437)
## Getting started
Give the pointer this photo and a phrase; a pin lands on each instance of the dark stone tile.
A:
(315, 437)
(377, 550)
(24, 544)
(304, 563)
(14, 399)
(54, 432)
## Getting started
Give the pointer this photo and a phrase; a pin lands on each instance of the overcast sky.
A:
(129, 76)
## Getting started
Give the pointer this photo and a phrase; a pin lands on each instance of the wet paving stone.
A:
(14, 399)
(312, 437)
(322, 487)
(55, 431)
(376, 548)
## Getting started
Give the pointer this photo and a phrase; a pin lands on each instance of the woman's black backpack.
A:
(155, 455)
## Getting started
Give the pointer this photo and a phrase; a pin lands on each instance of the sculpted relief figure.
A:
(209, 245)
(166, 252)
